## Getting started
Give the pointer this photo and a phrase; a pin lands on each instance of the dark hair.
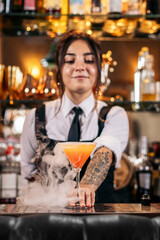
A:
(61, 49)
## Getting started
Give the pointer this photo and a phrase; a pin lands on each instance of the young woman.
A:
(78, 58)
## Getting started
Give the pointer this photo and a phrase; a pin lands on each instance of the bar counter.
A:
(99, 209)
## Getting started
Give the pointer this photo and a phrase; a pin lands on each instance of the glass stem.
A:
(77, 180)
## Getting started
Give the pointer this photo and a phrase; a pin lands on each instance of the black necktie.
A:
(74, 132)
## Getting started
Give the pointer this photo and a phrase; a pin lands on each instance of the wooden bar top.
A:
(108, 209)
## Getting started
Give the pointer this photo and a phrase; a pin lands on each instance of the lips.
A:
(80, 76)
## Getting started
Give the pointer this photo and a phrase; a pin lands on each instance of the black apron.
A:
(105, 193)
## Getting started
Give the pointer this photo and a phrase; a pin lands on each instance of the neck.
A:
(77, 98)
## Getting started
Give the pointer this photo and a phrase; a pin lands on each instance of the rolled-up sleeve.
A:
(115, 133)
(28, 146)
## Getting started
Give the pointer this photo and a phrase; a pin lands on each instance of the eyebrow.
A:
(85, 54)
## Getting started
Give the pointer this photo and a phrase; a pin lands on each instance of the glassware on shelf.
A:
(108, 65)
(47, 88)
(78, 153)
(12, 80)
(30, 87)
(97, 16)
(115, 25)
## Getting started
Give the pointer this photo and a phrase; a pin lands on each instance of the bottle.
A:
(114, 6)
(134, 7)
(2, 6)
(8, 6)
(138, 75)
(144, 170)
(98, 16)
(39, 6)
(9, 172)
(76, 7)
(148, 81)
(52, 7)
(17, 6)
(29, 6)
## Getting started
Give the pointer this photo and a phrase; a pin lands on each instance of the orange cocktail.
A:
(78, 153)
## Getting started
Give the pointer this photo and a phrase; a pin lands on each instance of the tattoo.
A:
(97, 169)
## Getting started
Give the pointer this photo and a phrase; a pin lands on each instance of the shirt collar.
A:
(87, 105)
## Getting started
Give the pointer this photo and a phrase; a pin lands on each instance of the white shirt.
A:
(114, 134)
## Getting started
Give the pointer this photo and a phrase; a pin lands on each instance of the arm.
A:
(95, 174)
(28, 146)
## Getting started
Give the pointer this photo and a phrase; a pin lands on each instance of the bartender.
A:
(78, 59)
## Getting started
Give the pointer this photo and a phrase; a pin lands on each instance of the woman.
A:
(78, 59)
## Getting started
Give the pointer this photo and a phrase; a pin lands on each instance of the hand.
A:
(86, 196)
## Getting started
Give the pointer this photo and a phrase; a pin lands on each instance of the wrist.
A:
(87, 185)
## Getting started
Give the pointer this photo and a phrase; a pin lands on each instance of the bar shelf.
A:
(143, 106)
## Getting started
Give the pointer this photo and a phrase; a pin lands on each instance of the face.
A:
(79, 71)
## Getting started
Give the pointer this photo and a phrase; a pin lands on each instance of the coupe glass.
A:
(78, 153)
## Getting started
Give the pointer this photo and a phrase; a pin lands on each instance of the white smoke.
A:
(56, 194)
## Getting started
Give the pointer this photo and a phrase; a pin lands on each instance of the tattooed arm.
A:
(97, 168)
(95, 174)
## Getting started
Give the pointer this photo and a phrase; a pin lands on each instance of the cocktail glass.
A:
(78, 153)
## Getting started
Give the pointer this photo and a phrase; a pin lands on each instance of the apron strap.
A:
(102, 116)
(40, 122)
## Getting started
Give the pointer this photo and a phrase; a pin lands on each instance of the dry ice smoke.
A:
(60, 190)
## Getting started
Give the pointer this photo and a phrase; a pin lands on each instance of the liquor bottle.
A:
(39, 6)
(17, 6)
(98, 16)
(138, 75)
(134, 7)
(114, 6)
(9, 172)
(2, 6)
(76, 7)
(148, 81)
(8, 6)
(144, 170)
(29, 6)
(52, 7)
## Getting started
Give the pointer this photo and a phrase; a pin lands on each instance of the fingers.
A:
(86, 197)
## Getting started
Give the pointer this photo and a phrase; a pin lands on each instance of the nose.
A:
(79, 66)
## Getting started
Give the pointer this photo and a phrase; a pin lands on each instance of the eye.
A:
(89, 59)
(69, 61)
